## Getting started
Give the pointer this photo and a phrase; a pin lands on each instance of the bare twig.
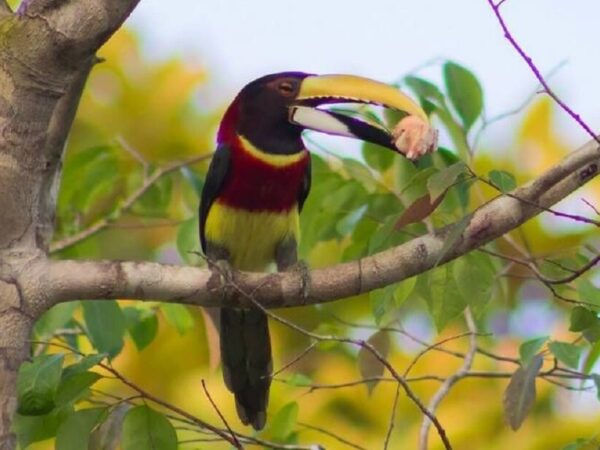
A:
(301, 355)
(433, 347)
(486, 123)
(529, 61)
(388, 435)
(596, 210)
(126, 205)
(135, 154)
(450, 381)
(331, 434)
(234, 438)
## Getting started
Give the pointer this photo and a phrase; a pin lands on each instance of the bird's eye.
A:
(286, 88)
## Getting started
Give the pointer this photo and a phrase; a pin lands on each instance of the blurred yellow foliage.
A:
(151, 107)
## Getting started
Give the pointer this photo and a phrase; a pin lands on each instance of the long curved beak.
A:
(319, 90)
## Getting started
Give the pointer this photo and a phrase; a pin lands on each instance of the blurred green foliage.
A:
(137, 116)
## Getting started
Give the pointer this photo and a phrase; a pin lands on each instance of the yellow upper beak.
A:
(358, 89)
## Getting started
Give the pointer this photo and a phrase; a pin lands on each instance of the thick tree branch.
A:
(70, 280)
(78, 27)
(4, 8)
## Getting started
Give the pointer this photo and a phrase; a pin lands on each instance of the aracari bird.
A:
(255, 188)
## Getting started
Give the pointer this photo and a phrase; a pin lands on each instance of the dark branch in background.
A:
(234, 440)
(508, 35)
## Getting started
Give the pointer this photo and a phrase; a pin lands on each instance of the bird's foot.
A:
(225, 271)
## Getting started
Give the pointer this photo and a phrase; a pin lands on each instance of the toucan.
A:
(255, 187)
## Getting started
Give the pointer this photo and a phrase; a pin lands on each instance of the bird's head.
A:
(272, 111)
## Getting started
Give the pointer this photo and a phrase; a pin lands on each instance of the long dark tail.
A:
(247, 365)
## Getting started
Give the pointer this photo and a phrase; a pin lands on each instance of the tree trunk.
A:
(47, 49)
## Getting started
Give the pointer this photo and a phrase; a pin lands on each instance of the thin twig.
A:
(388, 435)
(486, 123)
(234, 438)
(296, 359)
(529, 61)
(331, 434)
(69, 241)
(591, 206)
(433, 347)
(450, 381)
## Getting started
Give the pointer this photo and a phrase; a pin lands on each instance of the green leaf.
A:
(105, 325)
(187, 241)
(588, 292)
(453, 236)
(403, 290)
(37, 384)
(520, 394)
(56, 317)
(284, 421)
(368, 364)
(144, 428)
(155, 201)
(439, 182)
(596, 379)
(443, 298)
(74, 432)
(424, 89)
(591, 358)
(300, 380)
(465, 93)
(360, 173)
(568, 354)
(530, 348)
(382, 303)
(98, 180)
(30, 429)
(475, 275)
(194, 179)
(75, 387)
(582, 319)
(85, 363)
(142, 325)
(456, 132)
(377, 157)
(178, 316)
(503, 180)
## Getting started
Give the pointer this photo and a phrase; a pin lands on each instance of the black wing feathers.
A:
(215, 177)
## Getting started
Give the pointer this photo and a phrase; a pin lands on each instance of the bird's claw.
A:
(225, 271)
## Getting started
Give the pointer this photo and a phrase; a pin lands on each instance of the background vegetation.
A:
(125, 195)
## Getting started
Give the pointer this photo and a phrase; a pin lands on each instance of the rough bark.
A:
(46, 51)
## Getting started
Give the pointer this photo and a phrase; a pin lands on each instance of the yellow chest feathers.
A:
(250, 237)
